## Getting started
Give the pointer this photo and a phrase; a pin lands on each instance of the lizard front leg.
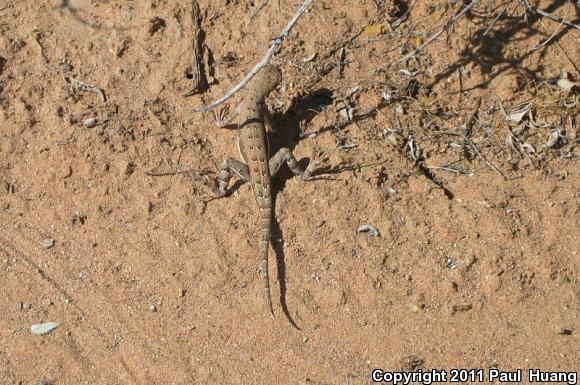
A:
(284, 155)
(268, 121)
(231, 166)
(224, 120)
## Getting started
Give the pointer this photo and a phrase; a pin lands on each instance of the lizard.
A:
(258, 167)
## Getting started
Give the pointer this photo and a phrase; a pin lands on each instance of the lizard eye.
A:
(188, 72)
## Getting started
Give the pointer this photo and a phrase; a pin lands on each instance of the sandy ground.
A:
(476, 264)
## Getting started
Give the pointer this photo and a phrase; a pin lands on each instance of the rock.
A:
(47, 243)
(90, 122)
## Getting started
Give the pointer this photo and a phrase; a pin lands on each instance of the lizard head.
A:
(267, 79)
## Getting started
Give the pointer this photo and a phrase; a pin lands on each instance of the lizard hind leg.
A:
(284, 155)
(231, 166)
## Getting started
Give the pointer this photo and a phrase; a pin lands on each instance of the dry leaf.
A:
(373, 30)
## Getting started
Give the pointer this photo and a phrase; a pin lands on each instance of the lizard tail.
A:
(264, 246)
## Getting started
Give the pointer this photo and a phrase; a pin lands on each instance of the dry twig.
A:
(199, 78)
(547, 15)
(528, 6)
(554, 33)
(262, 63)
(497, 18)
(436, 35)
(486, 161)
(258, 9)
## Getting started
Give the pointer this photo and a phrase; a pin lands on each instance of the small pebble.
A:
(453, 286)
(412, 363)
(152, 308)
(7, 187)
(461, 307)
(66, 172)
(47, 243)
(368, 228)
(78, 218)
(566, 331)
(156, 24)
(90, 122)
(25, 306)
(47, 327)
(126, 168)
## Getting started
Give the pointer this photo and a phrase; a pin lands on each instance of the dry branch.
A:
(262, 63)
(199, 78)
(550, 16)
(436, 35)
